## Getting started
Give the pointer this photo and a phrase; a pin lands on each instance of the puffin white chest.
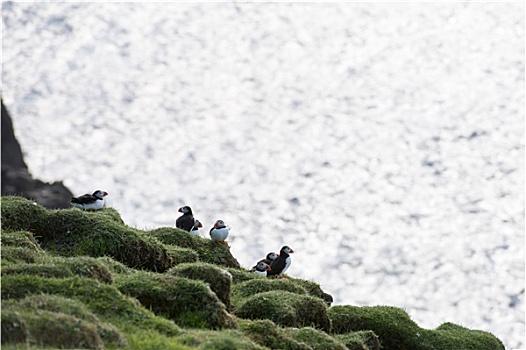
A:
(262, 273)
(219, 234)
(288, 261)
(95, 205)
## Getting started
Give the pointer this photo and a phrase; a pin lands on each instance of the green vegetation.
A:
(85, 280)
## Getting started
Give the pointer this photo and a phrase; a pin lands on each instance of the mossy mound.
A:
(104, 300)
(248, 288)
(362, 340)
(14, 255)
(52, 329)
(63, 267)
(225, 340)
(286, 309)
(242, 275)
(188, 302)
(316, 339)
(207, 250)
(396, 330)
(73, 232)
(266, 333)
(217, 278)
(57, 307)
(181, 255)
(20, 239)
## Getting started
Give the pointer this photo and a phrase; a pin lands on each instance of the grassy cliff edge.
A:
(86, 280)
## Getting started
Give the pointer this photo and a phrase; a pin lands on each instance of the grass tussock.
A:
(396, 330)
(85, 280)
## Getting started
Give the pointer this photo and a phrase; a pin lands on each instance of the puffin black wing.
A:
(185, 222)
(84, 199)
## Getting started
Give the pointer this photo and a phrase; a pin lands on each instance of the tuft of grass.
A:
(20, 239)
(316, 339)
(63, 267)
(286, 309)
(267, 333)
(224, 340)
(73, 232)
(207, 250)
(181, 299)
(217, 278)
(242, 275)
(35, 304)
(245, 289)
(181, 255)
(361, 340)
(396, 330)
(104, 300)
(13, 255)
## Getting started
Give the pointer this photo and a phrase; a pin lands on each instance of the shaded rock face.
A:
(16, 178)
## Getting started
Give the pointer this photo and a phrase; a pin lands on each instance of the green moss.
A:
(314, 289)
(362, 340)
(181, 255)
(224, 340)
(266, 333)
(104, 300)
(12, 254)
(63, 267)
(396, 330)
(34, 304)
(207, 250)
(217, 278)
(286, 309)
(248, 288)
(20, 239)
(316, 339)
(242, 275)
(73, 232)
(14, 329)
(178, 298)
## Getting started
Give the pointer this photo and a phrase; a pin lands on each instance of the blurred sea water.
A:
(383, 142)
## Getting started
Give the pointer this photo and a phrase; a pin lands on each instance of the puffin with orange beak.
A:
(93, 201)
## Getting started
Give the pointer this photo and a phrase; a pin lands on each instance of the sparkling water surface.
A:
(383, 142)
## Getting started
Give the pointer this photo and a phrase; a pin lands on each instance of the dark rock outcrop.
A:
(16, 179)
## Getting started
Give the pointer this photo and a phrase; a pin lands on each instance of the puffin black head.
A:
(286, 249)
(219, 224)
(272, 256)
(185, 210)
(99, 194)
(262, 266)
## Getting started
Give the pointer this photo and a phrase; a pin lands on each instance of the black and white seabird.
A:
(279, 266)
(268, 260)
(185, 221)
(93, 201)
(195, 228)
(261, 268)
(219, 232)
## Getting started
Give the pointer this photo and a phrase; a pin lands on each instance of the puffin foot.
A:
(226, 243)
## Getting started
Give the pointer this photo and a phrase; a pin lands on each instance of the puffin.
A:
(186, 221)
(268, 260)
(261, 268)
(93, 201)
(219, 232)
(195, 228)
(282, 262)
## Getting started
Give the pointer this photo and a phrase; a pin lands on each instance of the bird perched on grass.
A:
(186, 221)
(219, 232)
(93, 201)
(268, 260)
(195, 228)
(261, 268)
(282, 262)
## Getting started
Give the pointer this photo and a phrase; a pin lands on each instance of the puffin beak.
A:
(267, 268)
(200, 224)
(105, 193)
(292, 251)
(180, 210)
